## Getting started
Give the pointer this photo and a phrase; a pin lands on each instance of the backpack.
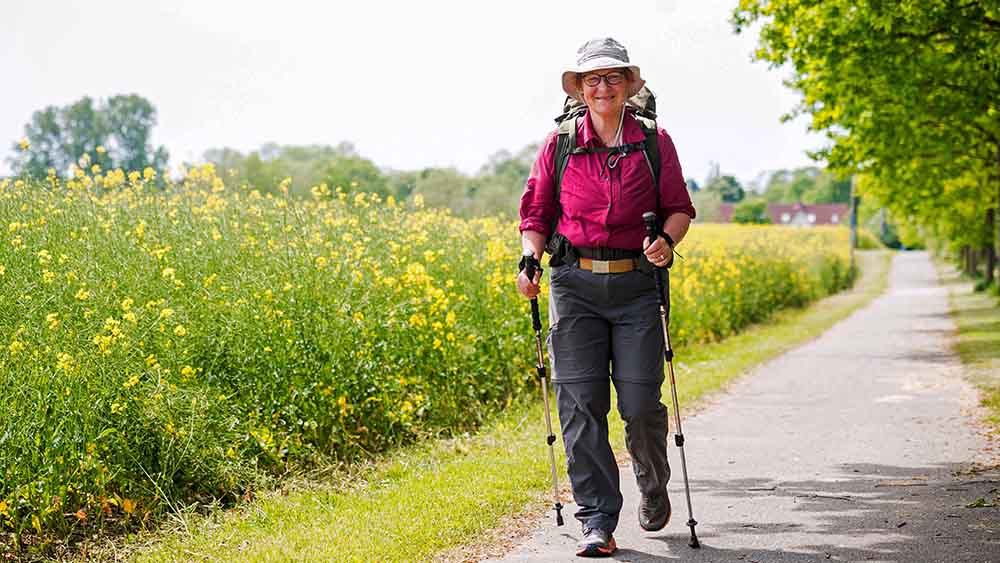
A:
(644, 106)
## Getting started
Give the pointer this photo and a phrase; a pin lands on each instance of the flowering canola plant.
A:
(188, 339)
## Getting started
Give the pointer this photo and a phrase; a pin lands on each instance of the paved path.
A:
(845, 449)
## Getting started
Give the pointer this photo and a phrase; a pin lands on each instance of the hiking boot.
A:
(596, 543)
(654, 512)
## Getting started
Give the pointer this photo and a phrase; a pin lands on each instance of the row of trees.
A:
(495, 188)
(116, 133)
(908, 93)
(810, 184)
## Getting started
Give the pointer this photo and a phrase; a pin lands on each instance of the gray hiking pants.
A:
(597, 321)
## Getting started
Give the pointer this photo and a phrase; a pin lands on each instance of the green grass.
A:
(977, 315)
(447, 496)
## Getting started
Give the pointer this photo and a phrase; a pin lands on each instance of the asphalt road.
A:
(859, 446)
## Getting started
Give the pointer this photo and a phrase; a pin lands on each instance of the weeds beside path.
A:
(462, 497)
(977, 315)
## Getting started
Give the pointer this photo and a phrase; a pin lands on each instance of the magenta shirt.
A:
(603, 207)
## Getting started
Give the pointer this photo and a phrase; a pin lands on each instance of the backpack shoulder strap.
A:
(565, 143)
(651, 152)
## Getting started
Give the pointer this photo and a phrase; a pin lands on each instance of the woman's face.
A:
(605, 91)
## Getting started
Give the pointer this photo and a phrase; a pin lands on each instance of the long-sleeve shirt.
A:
(603, 206)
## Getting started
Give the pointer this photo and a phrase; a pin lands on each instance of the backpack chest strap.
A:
(620, 149)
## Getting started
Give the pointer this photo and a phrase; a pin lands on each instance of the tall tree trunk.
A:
(988, 251)
(996, 214)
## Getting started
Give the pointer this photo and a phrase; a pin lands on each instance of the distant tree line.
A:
(808, 184)
(116, 134)
(495, 189)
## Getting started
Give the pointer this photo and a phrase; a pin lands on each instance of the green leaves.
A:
(112, 134)
(906, 92)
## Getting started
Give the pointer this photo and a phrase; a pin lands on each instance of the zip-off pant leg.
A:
(597, 320)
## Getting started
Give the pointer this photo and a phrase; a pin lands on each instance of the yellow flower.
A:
(148, 173)
(82, 294)
(24, 144)
(53, 320)
(100, 149)
(65, 362)
(187, 371)
(166, 313)
(132, 381)
(179, 330)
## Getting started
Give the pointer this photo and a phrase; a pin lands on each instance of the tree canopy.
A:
(907, 93)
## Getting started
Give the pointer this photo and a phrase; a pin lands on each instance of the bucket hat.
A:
(599, 54)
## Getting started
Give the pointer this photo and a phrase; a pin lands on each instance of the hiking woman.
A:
(603, 310)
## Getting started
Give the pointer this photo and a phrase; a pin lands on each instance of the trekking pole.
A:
(530, 266)
(664, 297)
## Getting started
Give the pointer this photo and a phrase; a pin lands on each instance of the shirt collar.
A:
(632, 132)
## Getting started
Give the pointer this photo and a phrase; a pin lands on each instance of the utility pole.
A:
(854, 219)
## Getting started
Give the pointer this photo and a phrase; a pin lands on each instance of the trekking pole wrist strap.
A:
(529, 262)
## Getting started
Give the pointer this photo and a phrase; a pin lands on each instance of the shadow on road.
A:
(903, 514)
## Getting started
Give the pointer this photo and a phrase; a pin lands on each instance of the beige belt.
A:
(609, 266)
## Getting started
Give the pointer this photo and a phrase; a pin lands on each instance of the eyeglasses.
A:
(612, 79)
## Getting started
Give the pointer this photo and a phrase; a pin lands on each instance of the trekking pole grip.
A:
(653, 231)
(531, 265)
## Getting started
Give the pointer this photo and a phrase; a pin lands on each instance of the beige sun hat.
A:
(599, 54)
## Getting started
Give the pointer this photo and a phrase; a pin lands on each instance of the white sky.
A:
(412, 84)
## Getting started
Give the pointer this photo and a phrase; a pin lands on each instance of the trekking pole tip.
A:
(694, 543)
(559, 518)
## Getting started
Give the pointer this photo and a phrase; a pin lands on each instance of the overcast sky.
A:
(411, 84)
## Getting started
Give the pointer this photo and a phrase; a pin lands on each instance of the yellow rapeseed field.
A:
(165, 340)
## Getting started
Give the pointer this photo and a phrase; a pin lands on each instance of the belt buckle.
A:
(600, 266)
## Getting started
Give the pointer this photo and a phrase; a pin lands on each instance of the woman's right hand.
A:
(529, 288)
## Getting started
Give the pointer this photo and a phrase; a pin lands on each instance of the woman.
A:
(603, 307)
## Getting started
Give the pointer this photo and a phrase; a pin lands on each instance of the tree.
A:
(908, 93)
(809, 184)
(353, 173)
(442, 187)
(692, 185)
(306, 165)
(129, 122)
(752, 212)
(728, 188)
(113, 134)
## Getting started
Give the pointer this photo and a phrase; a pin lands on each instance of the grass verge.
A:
(447, 499)
(977, 316)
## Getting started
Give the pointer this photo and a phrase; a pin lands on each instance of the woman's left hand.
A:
(659, 253)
